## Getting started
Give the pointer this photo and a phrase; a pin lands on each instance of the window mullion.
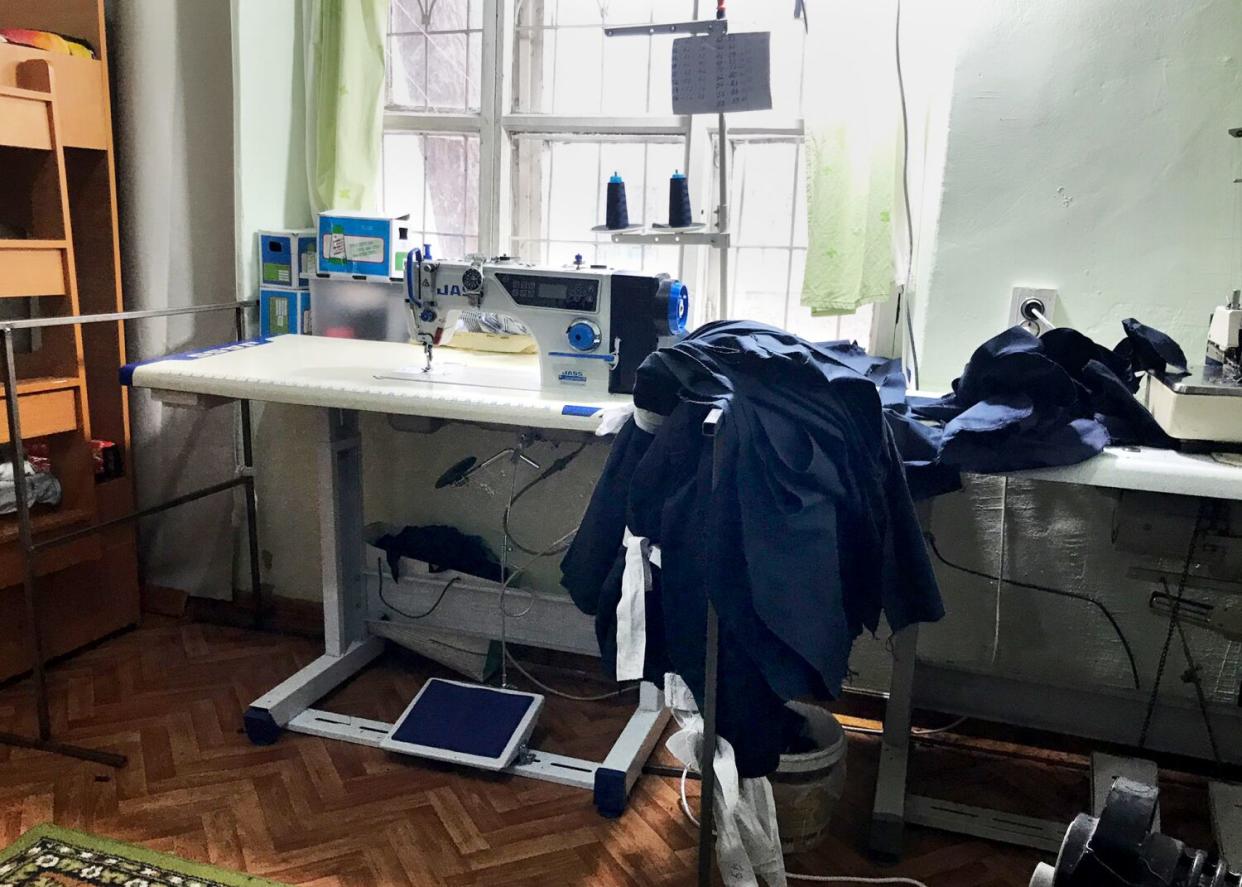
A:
(490, 147)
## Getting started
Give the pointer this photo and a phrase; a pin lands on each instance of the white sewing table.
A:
(343, 378)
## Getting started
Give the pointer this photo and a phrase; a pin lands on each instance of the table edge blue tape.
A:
(573, 409)
(126, 373)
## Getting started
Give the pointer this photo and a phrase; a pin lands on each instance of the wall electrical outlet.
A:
(1025, 295)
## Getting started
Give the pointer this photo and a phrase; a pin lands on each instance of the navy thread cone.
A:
(679, 215)
(616, 215)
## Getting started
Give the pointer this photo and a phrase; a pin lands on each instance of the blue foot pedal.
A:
(465, 724)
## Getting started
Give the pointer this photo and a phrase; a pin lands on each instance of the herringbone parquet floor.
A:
(317, 812)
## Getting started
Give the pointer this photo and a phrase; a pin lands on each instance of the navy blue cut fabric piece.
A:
(807, 538)
(1150, 349)
(1028, 402)
(471, 720)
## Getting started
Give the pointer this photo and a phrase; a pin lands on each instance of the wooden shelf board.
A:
(42, 523)
(18, 243)
(18, 93)
(44, 383)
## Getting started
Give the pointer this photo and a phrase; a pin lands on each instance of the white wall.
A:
(270, 193)
(1087, 151)
(174, 138)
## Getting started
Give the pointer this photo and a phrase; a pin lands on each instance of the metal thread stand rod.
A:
(707, 757)
(30, 549)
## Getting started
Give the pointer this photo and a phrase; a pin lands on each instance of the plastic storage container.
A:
(807, 786)
(359, 309)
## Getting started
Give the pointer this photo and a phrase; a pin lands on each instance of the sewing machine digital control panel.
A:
(575, 294)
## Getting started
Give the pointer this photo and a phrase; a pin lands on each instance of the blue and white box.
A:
(363, 246)
(286, 258)
(283, 311)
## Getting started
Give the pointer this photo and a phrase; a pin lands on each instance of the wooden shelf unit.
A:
(60, 190)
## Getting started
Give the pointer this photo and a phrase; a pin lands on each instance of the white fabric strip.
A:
(632, 608)
(647, 420)
(748, 843)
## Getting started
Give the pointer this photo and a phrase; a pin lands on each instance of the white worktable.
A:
(346, 374)
(344, 378)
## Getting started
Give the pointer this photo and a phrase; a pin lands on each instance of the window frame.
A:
(496, 125)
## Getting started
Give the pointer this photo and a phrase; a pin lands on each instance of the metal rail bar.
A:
(17, 458)
(80, 319)
(166, 505)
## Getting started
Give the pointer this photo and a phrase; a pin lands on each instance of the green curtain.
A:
(852, 119)
(344, 101)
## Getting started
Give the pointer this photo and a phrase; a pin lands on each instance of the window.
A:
(505, 118)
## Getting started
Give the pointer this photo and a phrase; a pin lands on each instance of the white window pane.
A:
(759, 285)
(625, 77)
(578, 73)
(433, 64)
(565, 65)
(406, 16)
(435, 178)
(404, 175)
(447, 14)
(799, 228)
(407, 71)
(447, 72)
(574, 201)
(474, 86)
(762, 192)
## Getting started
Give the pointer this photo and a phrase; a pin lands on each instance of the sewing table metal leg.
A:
(348, 646)
(252, 509)
(888, 813)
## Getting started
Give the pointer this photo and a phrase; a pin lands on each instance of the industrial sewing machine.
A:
(592, 325)
(1205, 407)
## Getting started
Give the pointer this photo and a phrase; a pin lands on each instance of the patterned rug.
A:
(50, 856)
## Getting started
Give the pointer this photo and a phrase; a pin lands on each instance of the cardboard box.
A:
(284, 311)
(286, 258)
(362, 246)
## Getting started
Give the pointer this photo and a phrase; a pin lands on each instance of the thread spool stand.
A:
(717, 239)
(697, 235)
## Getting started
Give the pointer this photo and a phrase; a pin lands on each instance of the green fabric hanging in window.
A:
(852, 156)
(344, 101)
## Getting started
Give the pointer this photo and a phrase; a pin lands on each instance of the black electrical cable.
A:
(1192, 675)
(1059, 592)
(905, 194)
(557, 466)
(1175, 625)
(428, 612)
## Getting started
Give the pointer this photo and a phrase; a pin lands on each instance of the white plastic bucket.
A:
(807, 786)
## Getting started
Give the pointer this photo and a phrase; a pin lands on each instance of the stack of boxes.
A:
(346, 250)
(287, 263)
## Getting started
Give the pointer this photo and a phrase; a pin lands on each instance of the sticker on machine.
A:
(364, 249)
(578, 372)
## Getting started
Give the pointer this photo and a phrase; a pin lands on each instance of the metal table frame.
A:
(349, 647)
(957, 691)
(44, 741)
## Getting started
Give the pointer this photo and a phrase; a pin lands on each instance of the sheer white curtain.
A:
(173, 99)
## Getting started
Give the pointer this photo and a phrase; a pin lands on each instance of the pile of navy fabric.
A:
(802, 533)
(1024, 402)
